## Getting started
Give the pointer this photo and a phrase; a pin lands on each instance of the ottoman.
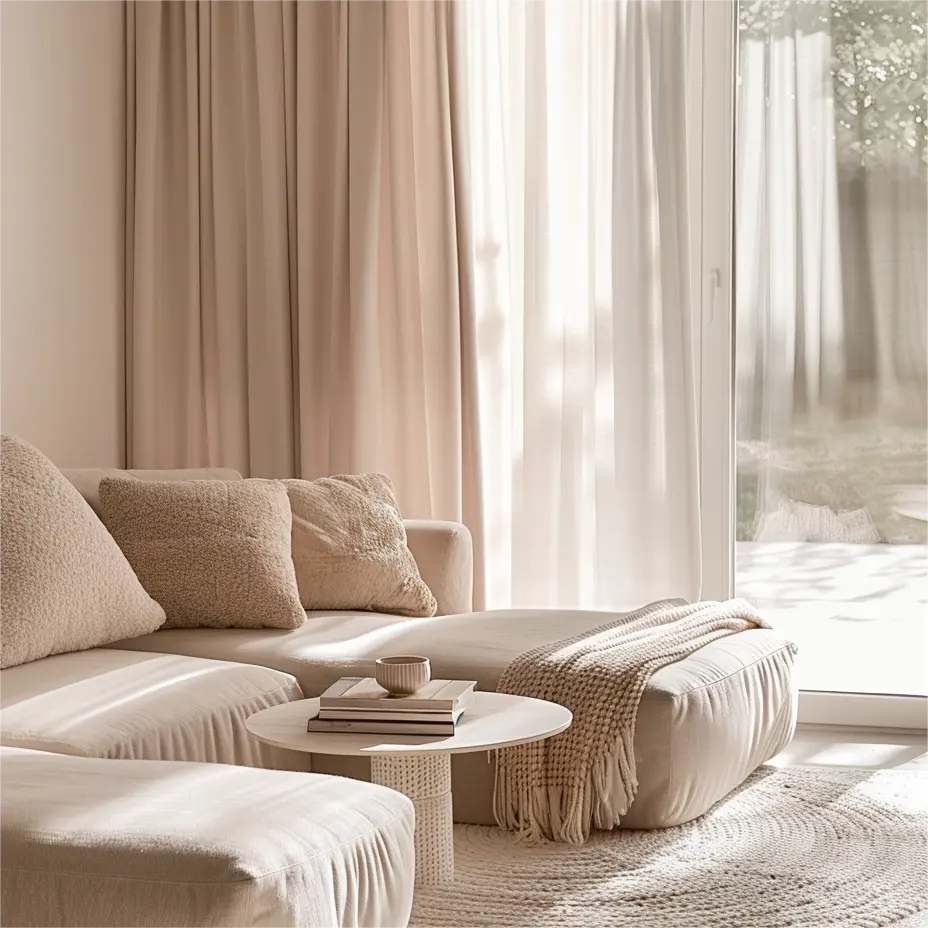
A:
(704, 722)
(90, 841)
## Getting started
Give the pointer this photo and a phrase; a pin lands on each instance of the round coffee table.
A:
(420, 766)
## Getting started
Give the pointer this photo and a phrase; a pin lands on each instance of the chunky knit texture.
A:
(585, 777)
(65, 584)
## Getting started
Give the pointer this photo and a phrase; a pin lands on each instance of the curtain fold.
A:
(790, 327)
(442, 241)
(298, 297)
(577, 150)
(831, 310)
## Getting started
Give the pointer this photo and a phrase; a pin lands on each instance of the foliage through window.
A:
(879, 70)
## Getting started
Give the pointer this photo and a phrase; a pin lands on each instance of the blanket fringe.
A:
(566, 813)
(585, 777)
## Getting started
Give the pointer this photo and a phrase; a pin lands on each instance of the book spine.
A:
(360, 715)
(414, 705)
(383, 728)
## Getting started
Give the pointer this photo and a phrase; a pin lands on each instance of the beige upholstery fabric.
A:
(445, 557)
(103, 842)
(64, 583)
(87, 479)
(585, 778)
(125, 704)
(704, 723)
(443, 550)
(213, 553)
(349, 547)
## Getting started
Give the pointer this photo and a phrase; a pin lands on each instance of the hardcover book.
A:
(385, 727)
(390, 715)
(365, 693)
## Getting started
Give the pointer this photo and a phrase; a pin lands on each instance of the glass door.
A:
(829, 300)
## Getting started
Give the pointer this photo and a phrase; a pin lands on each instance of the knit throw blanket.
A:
(585, 776)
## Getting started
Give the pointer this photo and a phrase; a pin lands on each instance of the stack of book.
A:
(360, 705)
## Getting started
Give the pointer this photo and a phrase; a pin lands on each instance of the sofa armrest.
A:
(444, 554)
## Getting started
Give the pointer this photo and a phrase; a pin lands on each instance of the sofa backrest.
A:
(87, 479)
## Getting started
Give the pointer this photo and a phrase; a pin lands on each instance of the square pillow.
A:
(64, 583)
(349, 547)
(214, 553)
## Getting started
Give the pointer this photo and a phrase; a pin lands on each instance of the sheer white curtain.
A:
(576, 150)
(790, 325)
(830, 254)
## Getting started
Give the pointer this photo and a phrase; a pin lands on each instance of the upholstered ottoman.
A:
(704, 722)
(87, 841)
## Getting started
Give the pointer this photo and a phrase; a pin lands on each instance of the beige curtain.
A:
(299, 297)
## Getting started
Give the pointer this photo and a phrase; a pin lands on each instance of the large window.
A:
(830, 335)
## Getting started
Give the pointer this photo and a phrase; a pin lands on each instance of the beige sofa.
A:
(182, 694)
(87, 841)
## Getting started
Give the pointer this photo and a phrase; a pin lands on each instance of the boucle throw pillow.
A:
(349, 547)
(214, 553)
(64, 583)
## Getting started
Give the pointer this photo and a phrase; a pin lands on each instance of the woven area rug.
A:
(815, 847)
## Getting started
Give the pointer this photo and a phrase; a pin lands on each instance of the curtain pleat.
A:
(353, 249)
(577, 151)
(298, 296)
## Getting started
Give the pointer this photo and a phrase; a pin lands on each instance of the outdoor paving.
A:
(859, 613)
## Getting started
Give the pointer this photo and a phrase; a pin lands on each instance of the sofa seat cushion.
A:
(87, 841)
(704, 723)
(476, 645)
(127, 704)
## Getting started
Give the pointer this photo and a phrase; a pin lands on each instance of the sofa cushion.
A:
(101, 842)
(470, 646)
(87, 479)
(704, 723)
(127, 704)
(64, 583)
(214, 553)
(349, 547)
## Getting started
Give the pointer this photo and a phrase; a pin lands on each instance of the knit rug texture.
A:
(795, 846)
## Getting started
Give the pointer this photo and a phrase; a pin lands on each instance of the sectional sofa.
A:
(168, 702)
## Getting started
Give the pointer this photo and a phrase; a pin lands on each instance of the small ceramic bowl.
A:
(402, 675)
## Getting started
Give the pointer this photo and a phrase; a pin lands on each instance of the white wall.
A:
(62, 170)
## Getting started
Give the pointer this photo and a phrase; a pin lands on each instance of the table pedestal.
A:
(426, 780)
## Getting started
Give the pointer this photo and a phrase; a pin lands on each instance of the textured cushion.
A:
(704, 723)
(213, 553)
(88, 479)
(142, 842)
(111, 703)
(64, 583)
(349, 547)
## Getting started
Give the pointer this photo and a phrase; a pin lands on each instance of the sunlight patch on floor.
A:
(823, 746)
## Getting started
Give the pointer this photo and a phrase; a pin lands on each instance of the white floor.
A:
(821, 746)
(859, 613)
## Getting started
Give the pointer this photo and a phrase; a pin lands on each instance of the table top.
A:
(491, 720)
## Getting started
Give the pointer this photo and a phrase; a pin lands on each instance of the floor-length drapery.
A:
(789, 324)
(298, 295)
(830, 239)
(578, 159)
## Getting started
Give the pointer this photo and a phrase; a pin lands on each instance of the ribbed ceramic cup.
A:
(402, 675)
